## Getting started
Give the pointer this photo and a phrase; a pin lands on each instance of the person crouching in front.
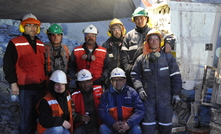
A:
(55, 111)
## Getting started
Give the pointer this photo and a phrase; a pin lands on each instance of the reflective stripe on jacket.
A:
(125, 105)
(57, 111)
(30, 65)
(160, 79)
(79, 101)
(96, 66)
(130, 48)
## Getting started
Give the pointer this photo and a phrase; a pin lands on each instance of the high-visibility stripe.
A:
(174, 73)
(135, 47)
(148, 124)
(100, 50)
(21, 44)
(164, 124)
(164, 68)
(51, 102)
(133, 73)
(147, 70)
(78, 49)
(68, 97)
(76, 92)
(124, 48)
(39, 44)
(26, 43)
(96, 87)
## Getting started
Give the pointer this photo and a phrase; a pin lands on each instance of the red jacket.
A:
(57, 111)
(96, 66)
(30, 65)
(79, 101)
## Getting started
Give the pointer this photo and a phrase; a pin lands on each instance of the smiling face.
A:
(59, 87)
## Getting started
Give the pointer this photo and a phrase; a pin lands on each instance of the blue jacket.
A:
(125, 105)
(160, 79)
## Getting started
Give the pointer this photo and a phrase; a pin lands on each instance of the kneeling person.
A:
(86, 101)
(55, 111)
(120, 109)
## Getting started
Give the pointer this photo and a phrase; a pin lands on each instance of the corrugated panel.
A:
(64, 11)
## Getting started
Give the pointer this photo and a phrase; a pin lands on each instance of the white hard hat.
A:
(117, 72)
(84, 75)
(59, 76)
(90, 29)
(30, 19)
(29, 15)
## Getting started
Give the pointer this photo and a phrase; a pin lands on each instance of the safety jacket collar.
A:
(114, 39)
(28, 37)
(141, 30)
(86, 49)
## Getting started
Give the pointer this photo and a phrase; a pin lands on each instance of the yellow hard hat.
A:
(157, 32)
(116, 21)
(154, 31)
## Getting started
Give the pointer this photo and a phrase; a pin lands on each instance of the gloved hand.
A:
(170, 39)
(142, 94)
(175, 99)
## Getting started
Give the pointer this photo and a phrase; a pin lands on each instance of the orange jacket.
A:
(79, 101)
(57, 111)
(96, 66)
(30, 65)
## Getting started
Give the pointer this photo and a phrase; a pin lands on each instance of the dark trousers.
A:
(28, 118)
(85, 130)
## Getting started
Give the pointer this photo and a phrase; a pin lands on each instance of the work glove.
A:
(175, 99)
(170, 39)
(142, 94)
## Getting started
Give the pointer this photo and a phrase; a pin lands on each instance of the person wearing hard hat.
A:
(86, 100)
(55, 108)
(134, 39)
(24, 70)
(57, 54)
(90, 56)
(113, 45)
(157, 79)
(121, 109)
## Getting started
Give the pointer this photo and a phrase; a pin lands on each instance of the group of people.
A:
(127, 85)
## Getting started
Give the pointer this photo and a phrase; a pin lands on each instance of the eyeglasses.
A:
(118, 80)
(31, 25)
(90, 35)
(116, 29)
